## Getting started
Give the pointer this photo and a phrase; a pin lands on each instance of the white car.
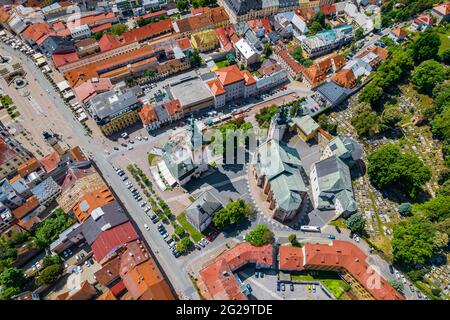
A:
(124, 135)
(146, 227)
(143, 204)
(145, 138)
(139, 138)
(130, 148)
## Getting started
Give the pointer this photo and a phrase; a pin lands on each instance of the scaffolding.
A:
(360, 292)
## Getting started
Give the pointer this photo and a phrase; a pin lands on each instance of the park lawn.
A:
(222, 63)
(445, 41)
(194, 233)
(336, 287)
(329, 279)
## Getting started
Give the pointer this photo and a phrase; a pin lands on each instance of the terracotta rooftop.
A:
(107, 295)
(201, 21)
(50, 161)
(317, 73)
(290, 258)
(424, 19)
(109, 272)
(399, 32)
(184, 43)
(35, 31)
(173, 107)
(248, 78)
(148, 31)
(108, 42)
(30, 204)
(291, 62)
(64, 58)
(229, 75)
(85, 292)
(91, 201)
(328, 9)
(380, 52)
(101, 27)
(216, 87)
(345, 78)
(91, 88)
(263, 22)
(92, 20)
(151, 15)
(148, 114)
(85, 42)
(28, 167)
(443, 9)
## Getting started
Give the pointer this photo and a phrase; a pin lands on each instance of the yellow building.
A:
(205, 40)
(306, 127)
(123, 121)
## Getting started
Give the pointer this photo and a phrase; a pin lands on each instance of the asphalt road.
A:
(179, 279)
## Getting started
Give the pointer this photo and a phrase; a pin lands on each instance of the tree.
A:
(12, 278)
(356, 223)
(97, 36)
(182, 5)
(428, 75)
(7, 293)
(371, 93)
(320, 18)
(441, 125)
(441, 94)
(359, 34)
(149, 73)
(445, 56)
(314, 27)
(259, 236)
(50, 260)
(413, 240)
(231, 58)
(292, 238)
(388, 166)
(235, 211)
(50, 274)
(50, 228)
(195, 59)
(297, 54)
(397, 285)
(327, 125)
(390, 118)
(179, 231)
(440, 241)
(268, 50)
(426, 47)
(118, 29)
(405, 209)
(436, 209)
(444, 189)
(183, 245)
(266, 114)
(365, 123)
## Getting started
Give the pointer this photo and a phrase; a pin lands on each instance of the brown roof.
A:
(109, 272)
(248, 78)
(399, 32)
(216, 87)
(148, 114)
(443, 9)
(31, 204)
(345, 78)
(148, 31)
(85, 292)
(107, 295)
(317, 73)
(291, 62)
(108, 42)
(204, 20)
(173, 107)
(6, 152)
(91, 201)
(77, 154)
(35, 31)
(290, 258)
(28, 167)
(184, 43)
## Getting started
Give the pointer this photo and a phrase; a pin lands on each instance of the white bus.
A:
(310, 229)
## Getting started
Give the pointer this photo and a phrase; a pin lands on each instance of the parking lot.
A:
(265, 288)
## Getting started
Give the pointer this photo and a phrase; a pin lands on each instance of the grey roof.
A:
(46, 189)
(281, 165)
(306, 124)
(177, 160)
(347, 149)
(191, 91)
(335, 183)
(20, 186)
(161, 113)
(203, 207)
(102, 219)
(64, 235)
(334, 93)
(241, 7)
(111, 104)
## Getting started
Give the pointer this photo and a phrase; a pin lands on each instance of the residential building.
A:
(423, 22)
(66, 239)
(80, 32)
(28, 209)
(201, 211)
(9, 196)
(91, 201)
(236, 83)
(217, 281)
(6, 218)
(34, 32)
(306, 127)
(327, 41)
(91, 88)
(54, 44)
(245, 54)
(61, 59)
(398, 35)
(441, 12)
(84, 291)
(278, 173)
(332, 186)
(319, 72)
(209, 19)
(339, 256)
(205, 40)
(114, 110)
(12, 155)
(149, 31)
(241, 10)
(46, 191)
(288, 63)
(87, 47)
(218, 91)
(149, 118)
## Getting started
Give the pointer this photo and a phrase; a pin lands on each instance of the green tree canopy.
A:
(413, 240)
(426, 46)
(365, 123)
(183, 245)
(371, 93)
(356, 223)
(50, 274)
(445, 56)
(444, 189)
(50, 260)
(51, 228)
(390, 118)
(397, 285)
(12, 278)
(265, 115)
(182, 5)
(441, 94)
(327, 125)
(292, 238)
(118, 29)
(297, 54)
(195, 59)
(259, 236)
(387, 166)
(235, 211)
(231, 58)
(428, 75)
(405, 209)
(436, 209)
(441, 125)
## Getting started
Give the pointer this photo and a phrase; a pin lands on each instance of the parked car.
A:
(278, 286)
(314, 288)
(331, 236)
(338, 230)
(292, 287)
(146, 227)
(283, 287)
(249, 287)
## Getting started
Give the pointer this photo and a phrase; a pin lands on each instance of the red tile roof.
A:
(218, 279)
(92, 20)
(199, 10)
(112, 238)
(328, 9)
(109, 272)
(86, 292)
(148, 114)
(91, 201)
(345, 78)
(229, 75)
(102, 27)
(291, 62)
(50, 161)
(108, 42)
(211, 17)
(31, 204)
(317, 73)
(264, 22)
(380, 52)
(399, 32)
(6, 152)
(184, 43)
(118, 288)
(216, 87)
(339, 255)
(64, 58)
(148, 31)
(90, 88)
(151, 15)
(173, 107)
(37, 30)
(424, 19)
(443, 9)
(290, 258)
(249, 80)
(107, 295)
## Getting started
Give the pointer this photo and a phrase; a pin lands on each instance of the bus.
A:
(310, 229)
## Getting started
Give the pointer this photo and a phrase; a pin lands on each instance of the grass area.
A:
(194, 233)
(191, 198)
(194, 282)
(445, 41)
(338, 223)
(425, 290)
(151, 157)
(330, 280)
(222, 63)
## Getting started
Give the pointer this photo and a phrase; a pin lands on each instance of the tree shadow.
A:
(358, 170)
(212, 179)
